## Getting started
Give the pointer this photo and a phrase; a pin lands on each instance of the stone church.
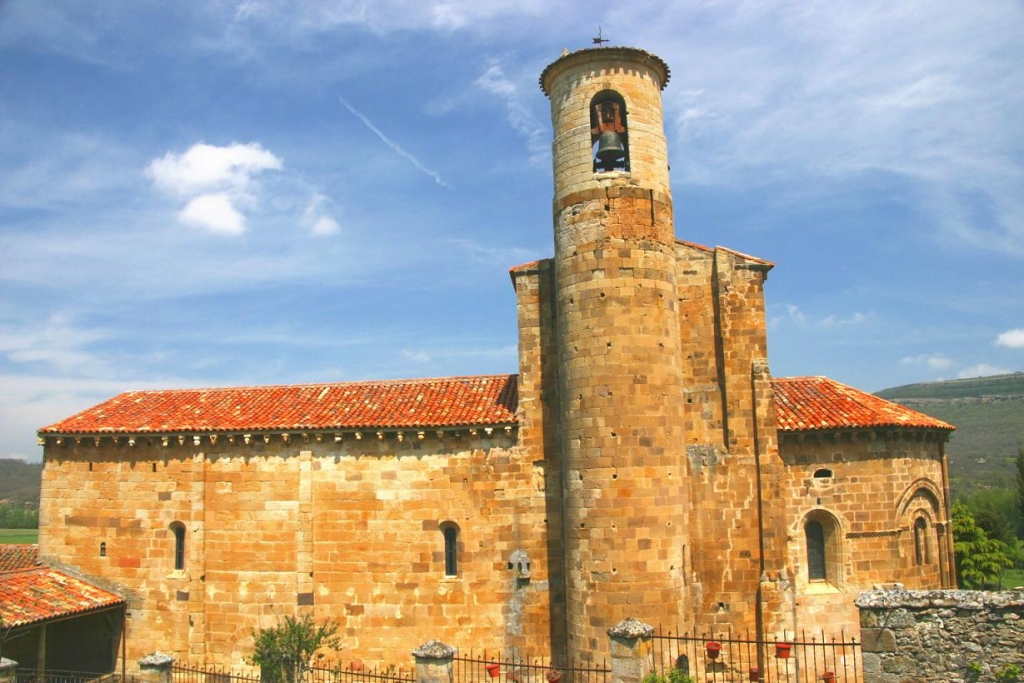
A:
(642, 462)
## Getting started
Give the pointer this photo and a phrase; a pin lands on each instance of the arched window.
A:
(450, 531)
(178, 529)
(824, 548)
(609, 134)
(103, 549)
(922, 552)
(817, 569)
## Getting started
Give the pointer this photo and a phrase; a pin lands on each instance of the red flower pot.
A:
(828, 676)
(782, 650)
(554, 675)
(493, 669)
(755, 674)
(713, 649)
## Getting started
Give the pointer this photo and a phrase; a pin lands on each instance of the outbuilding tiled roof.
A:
(18, 556)
(32, 595)
(486, 400)
(813, 403)
(802, 403)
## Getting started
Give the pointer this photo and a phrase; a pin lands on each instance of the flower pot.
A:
(828, 676)
(755, 674)
(782, 650)
(554, 675)
(713, 649)
(493, 669)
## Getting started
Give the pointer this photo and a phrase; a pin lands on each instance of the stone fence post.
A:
(7, 667)
(631, 650)
(434, 662)
(156, 668)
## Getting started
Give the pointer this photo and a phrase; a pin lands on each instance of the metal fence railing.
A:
(353, 673)
(484, 668)
(807, 659)
(193, 674)
(34, 676)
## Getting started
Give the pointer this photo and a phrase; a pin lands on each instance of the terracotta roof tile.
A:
(41, 593)
(810, 403)
(802, 403)
(18, 556)
(444, 402)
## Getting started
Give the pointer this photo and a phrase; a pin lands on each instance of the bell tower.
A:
(620, 382)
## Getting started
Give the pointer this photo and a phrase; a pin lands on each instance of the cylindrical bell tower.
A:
(620, 393)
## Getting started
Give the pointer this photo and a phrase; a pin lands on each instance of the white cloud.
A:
(315, 218)
(383, 16)
(841, 94)
(832, 320)
(793, 314)
(215, 213)
(537, 135)
(934, 361)
(502, 257)
(983, 370)
(58, 342)
(326, 226)
(213, 181)
(418, 356)
(1013, 339)
(204, 167)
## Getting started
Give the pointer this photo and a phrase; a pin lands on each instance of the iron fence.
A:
(807, 659)
(484, 668)
(199, 674)
(353, 673)
(35, 676)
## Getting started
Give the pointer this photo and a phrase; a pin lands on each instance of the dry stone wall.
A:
(948, 636)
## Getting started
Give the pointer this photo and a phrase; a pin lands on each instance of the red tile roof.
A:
(18, 556)
(487, 400)
(802, 403)
(32, 595)
(812, 403)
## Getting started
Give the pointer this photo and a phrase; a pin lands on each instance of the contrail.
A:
(394, 145)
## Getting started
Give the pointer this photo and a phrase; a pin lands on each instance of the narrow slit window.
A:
(178, 529)
(451, 549)
(921, 550)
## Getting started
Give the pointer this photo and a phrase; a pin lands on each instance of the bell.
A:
(609, 150)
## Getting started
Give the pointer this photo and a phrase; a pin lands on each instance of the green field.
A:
(19, 535)
(1013, 578)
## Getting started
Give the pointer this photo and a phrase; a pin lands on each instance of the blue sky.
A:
(242, 193)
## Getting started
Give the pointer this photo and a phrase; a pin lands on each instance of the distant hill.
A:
(20, 481)
(988, 413)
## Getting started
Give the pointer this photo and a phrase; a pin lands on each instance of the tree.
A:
(285, 651)
(1020, 490)
(980, 560)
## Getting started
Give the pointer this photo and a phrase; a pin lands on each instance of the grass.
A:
(1013, 578)
(19, 536)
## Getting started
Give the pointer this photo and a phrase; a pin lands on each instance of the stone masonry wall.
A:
(731, 440)
(346, 530)
(947, 636)
(879, 484)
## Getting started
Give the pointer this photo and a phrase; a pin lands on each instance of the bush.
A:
(285, 652)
